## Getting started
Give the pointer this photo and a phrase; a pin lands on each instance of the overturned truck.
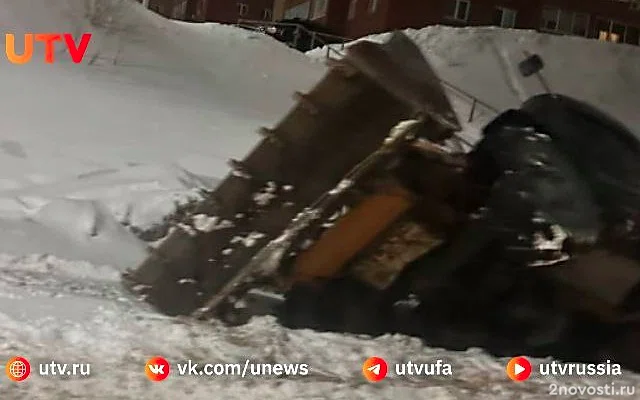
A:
(365, 212)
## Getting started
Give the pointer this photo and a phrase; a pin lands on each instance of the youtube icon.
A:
(519, 369)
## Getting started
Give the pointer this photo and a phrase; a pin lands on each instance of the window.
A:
(460, 10)
(632, 35)
(352, 9)
(580, 25)
(611, 31)
(320, 8)
(550, 17)
(563, 21)
(179, 11)
(267, 14)
(373, 6)
(243, 9)
(505, 17)
(300, 11)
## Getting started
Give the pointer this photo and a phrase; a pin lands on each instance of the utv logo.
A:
(25, 54)
(157, 369)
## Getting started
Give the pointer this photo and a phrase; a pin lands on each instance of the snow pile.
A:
(149, 119)
(481, 60)
(76, 230)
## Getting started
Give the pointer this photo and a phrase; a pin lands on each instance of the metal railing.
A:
(338, 50)
(473, 100)
(333, 43)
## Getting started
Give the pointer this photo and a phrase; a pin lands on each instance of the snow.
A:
(481, 61)
(250, 240)
(341, 187)
(141, 136)
(90, 151)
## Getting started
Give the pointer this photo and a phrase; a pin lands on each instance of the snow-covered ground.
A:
(86, 150)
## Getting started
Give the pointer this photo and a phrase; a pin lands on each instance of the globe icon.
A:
(18, 369)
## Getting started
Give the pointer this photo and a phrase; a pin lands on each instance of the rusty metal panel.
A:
(404, 242)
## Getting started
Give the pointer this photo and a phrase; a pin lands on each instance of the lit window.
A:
(618, 32)
(609, 31)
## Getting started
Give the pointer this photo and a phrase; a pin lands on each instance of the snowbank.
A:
(476, 59)
(149, 119)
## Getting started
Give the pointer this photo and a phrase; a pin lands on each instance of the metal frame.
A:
(507, 9)
(322, 13)
(573, 14)
(457, 9)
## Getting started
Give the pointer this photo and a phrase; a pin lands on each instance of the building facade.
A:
(230, 11)
(185, 10)
(223, 11)
(612, 20)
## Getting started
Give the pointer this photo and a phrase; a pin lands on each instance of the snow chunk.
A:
(553, 244)
(240, 174)
(271, 187)
(266, 194)
(188, 229)
(205, 223)
(401, 131)
(341, 187)
(263, 198)
(250, 240)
